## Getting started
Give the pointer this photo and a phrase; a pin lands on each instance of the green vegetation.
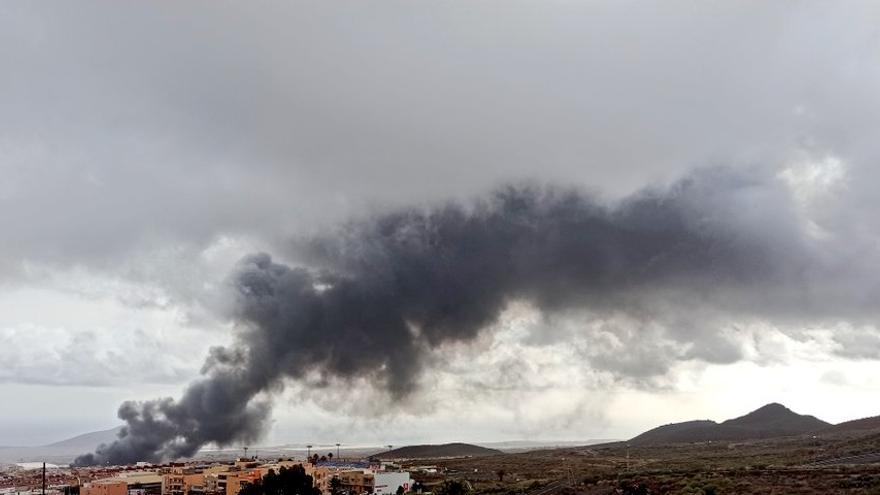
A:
(454, 487)
(288, 481)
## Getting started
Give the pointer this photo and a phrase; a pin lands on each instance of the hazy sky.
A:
(145, 148)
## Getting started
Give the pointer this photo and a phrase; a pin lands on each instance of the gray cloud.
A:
(128, 127)
(857, 343)
(42, 356)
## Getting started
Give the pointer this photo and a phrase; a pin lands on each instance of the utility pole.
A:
(570, 473)
(44, 478)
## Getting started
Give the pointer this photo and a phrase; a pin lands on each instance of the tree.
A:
(335, 486)
(501, 474)
(454, 487)
(330, 455)
(288, 481)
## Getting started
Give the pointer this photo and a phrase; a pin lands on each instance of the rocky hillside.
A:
(771, 421)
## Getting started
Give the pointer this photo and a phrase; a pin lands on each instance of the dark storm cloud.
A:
(381, 293)
(127, 126)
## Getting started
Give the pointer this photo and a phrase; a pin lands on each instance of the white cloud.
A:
(62, 338)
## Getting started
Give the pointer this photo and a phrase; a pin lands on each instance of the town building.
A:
(184, 481)
(111, 486)
(356, 478)
(387, 482)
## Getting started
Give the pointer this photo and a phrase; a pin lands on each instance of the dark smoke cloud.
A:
(382, 292)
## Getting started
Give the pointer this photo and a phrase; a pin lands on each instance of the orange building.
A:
(356, 481)
(183, 481)
(321, 476)
(232, 482)
(105, 487)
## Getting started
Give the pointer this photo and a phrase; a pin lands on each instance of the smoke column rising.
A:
(381, 292)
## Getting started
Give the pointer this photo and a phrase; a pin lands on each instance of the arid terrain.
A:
(840, 459)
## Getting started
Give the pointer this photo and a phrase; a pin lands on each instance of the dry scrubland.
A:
(777, 466)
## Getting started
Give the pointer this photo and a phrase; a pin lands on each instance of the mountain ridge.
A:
(62, 451)
(433, 451)
(769, 421)
(869, 423)
(87, 440)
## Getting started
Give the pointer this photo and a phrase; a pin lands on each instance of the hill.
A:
(437, 451)
(694, 431)
(62, 451)
(775, 420)
(872, 423)
(519, 446)
(88, 441)
(771, 421)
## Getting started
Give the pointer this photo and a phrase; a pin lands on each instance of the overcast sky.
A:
(145, 148)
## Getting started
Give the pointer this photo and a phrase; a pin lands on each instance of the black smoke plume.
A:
(379, 293)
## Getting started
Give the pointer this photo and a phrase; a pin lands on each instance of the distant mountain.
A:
(689, 431)
(437, 451)
(518, 446)
(770, 421)
(776, 420)
(60, 452)
(88, 440)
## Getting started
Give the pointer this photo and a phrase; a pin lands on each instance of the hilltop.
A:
(437, 451)
(770, 421)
